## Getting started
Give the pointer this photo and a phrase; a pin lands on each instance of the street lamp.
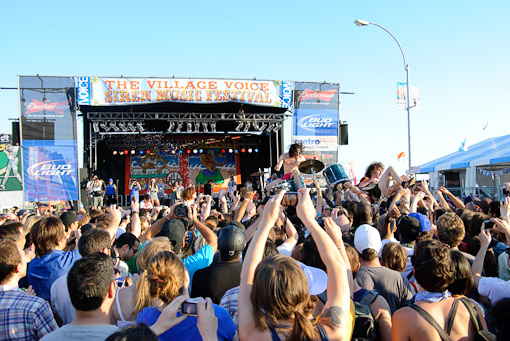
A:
(361, 22)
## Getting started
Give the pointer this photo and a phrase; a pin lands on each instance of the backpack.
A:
(365, 327)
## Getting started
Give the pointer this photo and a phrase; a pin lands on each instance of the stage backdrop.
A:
(97, 91)
(48, 138)
(192, 168)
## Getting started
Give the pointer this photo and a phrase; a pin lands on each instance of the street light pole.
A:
(361, 22)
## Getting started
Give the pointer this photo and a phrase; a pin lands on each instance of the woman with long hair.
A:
(274, 299)
(166, 280)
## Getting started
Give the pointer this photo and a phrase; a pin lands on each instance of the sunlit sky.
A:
(458, 53)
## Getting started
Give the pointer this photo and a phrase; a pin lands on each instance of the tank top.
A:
(110, 189)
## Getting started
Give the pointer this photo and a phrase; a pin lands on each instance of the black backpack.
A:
(365, 327)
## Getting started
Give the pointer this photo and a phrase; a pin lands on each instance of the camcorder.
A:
(181, 212)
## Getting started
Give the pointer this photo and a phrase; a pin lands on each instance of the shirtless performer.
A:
(290, 162)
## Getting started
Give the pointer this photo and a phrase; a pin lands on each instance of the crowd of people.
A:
(379, 260)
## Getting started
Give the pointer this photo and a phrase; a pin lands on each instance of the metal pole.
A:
(408, 117)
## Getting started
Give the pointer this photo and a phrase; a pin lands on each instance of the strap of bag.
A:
(451, 316)
(430, 319)
(473, 314)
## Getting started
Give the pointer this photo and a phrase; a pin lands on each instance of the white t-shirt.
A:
(494, 288)
(60, 300)
(285, 249)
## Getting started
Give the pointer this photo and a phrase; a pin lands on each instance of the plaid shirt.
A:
(229, 302)
(24, 317)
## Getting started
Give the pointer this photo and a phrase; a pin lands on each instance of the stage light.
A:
(200, 150)
(125, 152)
(236, 151)
(95, 126)
(133, 151)
(121, 153)
(270, 127)
(250, 150)
(180, 151)
(239, 126)
(188, 151)
(243, 150)
(262, 127)
(197, 127)
(277, 127)
(123, 127)
(171, 127)
(141, 152)
(223, 151)
(140, 127)
(255, 125)
(114, 127)
(114, 152)
(256, 150)
(148, 151)
(195, 151)
(179, 127)
(104, 127)
(247, 127)
(173, 151)
(213, 127)
(131, 127)
(230, 150)
(190, 128)
(204, 126)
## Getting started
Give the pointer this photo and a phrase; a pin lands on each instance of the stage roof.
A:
(494, 152)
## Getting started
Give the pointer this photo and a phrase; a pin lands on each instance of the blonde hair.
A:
(164, 279)
(143, 297)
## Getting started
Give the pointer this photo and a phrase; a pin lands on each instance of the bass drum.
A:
(335, 174)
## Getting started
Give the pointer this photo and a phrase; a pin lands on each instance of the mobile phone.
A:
(289, 199)
(488, 224)
(189, 307)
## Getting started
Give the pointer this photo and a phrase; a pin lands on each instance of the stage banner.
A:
(48, 138)
(315, 121)
(10, 166)
(196, 169)
(50, 170)
(97, 91)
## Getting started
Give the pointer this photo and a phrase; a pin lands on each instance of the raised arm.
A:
(456, 201)
(115, 216)
(336, 309)
(252, 258)
(477, 267)
(136, 226)
(242, 210)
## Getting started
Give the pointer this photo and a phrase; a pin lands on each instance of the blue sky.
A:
(458, 54)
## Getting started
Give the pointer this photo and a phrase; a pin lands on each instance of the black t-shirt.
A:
(207, 189)
(215, 280)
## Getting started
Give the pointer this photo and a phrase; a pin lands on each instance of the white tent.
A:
(482, 165)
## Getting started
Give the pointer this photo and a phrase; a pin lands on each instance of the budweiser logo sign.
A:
(56, 107)
(320, 95)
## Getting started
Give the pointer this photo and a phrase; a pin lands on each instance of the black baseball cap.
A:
(174, 230)
(230, 241)
(68, 218)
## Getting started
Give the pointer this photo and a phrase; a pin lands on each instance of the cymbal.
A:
(257, 174)
(308, 165)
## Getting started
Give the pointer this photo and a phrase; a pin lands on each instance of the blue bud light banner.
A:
(50, 170)
(48, 138)
(316, 112)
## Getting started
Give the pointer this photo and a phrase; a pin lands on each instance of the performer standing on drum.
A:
(290, 162)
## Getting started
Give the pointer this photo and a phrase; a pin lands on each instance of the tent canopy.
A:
(494, 151)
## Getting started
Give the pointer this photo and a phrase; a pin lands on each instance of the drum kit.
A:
(334, 174)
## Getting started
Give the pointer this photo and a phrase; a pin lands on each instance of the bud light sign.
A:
(51, 171)
(313, 122)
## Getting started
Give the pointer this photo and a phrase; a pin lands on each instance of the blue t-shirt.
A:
(200, 260)
(43, 271)
(187, 329)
